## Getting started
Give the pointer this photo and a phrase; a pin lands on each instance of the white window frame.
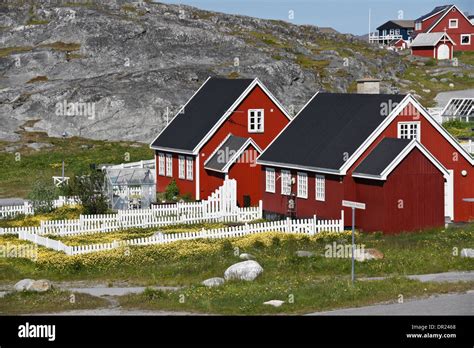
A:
(455, 20)
(189, 168)
(181, 164)
(418, 133)
(320, 187)
(169, 165)
(418, 26)
(464, 35)
(270, 180)
(285, 182)
(302, 185)
(262, 123)
(161, 164)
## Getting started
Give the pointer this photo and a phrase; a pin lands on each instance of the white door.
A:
(443, 52)
(449, 195)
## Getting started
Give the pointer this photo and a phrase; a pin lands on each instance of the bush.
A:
(42, 196)
(172, 191)
(90, 188)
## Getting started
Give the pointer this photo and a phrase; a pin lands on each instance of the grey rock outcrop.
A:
(118, 70)
(245, 270)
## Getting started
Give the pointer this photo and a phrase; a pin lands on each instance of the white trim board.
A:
(401, 156)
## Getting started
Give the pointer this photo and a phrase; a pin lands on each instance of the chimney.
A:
(368, 86)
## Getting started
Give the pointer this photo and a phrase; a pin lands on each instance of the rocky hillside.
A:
(126, 67)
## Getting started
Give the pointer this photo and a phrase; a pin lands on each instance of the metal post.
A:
(353, 245)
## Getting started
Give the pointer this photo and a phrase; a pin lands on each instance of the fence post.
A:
(260, 209)
(341, 225)
(315, 225)
(288, 225)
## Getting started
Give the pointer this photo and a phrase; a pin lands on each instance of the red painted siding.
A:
(237, 124)
(412, 198)
(431, 52)
(416, 181)
(246, 173)
(185, 186)
(443, 151)
(464, 27)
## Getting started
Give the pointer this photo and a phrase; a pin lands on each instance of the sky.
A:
(346, 16)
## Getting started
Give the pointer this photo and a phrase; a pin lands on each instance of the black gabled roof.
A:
(225, 152)
(434, 11)
(328, 130)
(398, 23)
(201, 113)
(381, 156)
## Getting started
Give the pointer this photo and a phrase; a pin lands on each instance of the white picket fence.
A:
(468, 146)
(302, 226)
(221, 206)
(27, 208)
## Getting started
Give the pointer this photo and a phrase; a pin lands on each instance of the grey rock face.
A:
(33, 285)
(246, 256)
(118, 70)
(212, 282)
(246, 270)
(467, 253)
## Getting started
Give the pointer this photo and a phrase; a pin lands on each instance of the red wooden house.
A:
(219, 133)
(346, 147)
(451, 20)
(433, 45)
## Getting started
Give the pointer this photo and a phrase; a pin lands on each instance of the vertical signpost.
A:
(354, 206)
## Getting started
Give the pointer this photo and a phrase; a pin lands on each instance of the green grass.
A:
(460, 129)
(7, 51)
(20, 172)
(40, 78)
(50, 301)
(190, 262)
(466, 57)
(300, 296)
(62, 213)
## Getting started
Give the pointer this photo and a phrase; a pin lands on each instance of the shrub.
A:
(172, 191)
(91, 192)
(42, 196)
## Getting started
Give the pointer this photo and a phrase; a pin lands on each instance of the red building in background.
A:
(447, 19)
(219, 133)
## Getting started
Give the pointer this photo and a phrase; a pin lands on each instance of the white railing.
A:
(301, 226)
(27, 208)
(375, 37)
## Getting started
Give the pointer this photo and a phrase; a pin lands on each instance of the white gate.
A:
(443, 52)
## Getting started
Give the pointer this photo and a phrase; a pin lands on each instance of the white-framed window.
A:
(320, 187)
(189, 168)
(169, 164)
(161, 164)
(256, 120)
(270, 180)
(181, 167)
(409, 130)
(302, 185)
(418, 26)
(397, 31)
(465, 39)
(453, 23)
(392, 31)
(285, 182)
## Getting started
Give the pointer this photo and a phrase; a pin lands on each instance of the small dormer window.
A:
(256, 121)
(453, 23)
(418, 26)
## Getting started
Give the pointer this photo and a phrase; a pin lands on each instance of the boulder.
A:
(246, 256)
(303, 253)
(467, 252)
(23, 284)
(246, 270)
(274, 303)
(212, 282)
(41, 285)
(368, 254)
